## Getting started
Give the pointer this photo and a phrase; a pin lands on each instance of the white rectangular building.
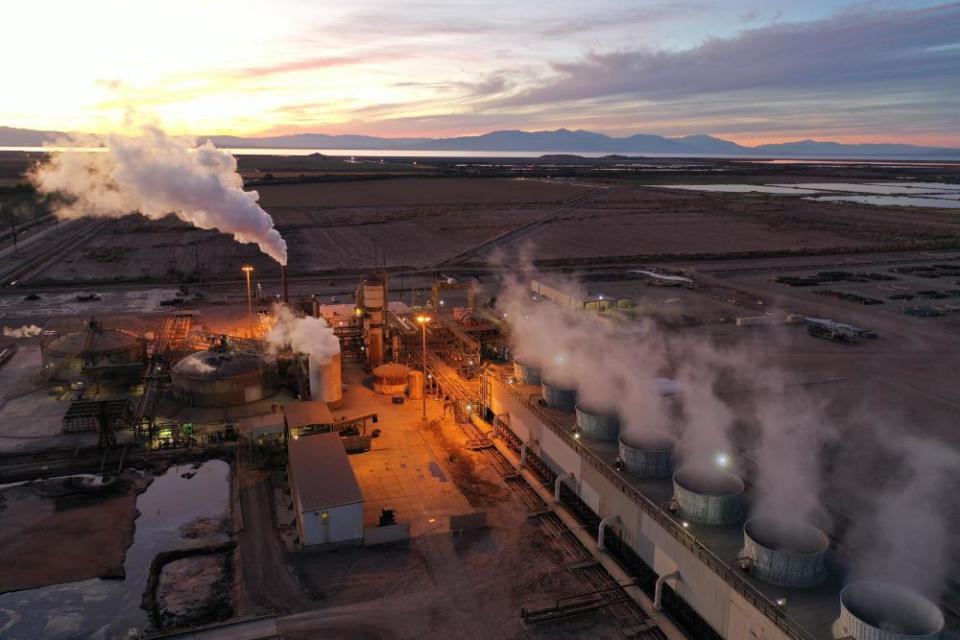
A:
(326, 496)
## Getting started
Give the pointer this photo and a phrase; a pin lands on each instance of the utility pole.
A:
(423, 320)
(248, 269)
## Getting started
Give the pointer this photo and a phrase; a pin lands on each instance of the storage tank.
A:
(415, 384)
(708, 496)
(391, 378)
(326, 380)
(647, 456)
(872, 610)
(785, 552)
(223, 376)
(373, 297)
(599, 424)
(526, 374)
(94, 353)
(558, 397)
(374, 346)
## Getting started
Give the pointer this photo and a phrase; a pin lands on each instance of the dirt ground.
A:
(415, 222)
(36, 518)
(649, 222)
(418, 191)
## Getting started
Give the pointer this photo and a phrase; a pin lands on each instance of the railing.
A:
(759, 601)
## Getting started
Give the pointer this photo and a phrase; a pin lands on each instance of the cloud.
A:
(899, 50)
(315, 63)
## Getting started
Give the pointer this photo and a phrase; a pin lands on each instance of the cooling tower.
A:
(647, 456)
(558, 397)
(708, 496)
(785, 552)
(526, 374)
(881, 611)
(597, 424)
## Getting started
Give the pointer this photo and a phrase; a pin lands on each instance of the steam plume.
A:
(157, 174)
(26, 331)
(312, 336)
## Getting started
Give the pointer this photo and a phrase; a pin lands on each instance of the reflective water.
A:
(878, 188)
(104, 609)
(894, 201)
(741, 188)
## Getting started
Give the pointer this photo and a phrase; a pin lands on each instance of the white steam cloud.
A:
(312, 336)
(26, 331)
(741, 393)
(157, 175)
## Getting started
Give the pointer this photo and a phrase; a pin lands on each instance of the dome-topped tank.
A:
(391, 378)
(223, 376)
(708, 496)
(94, 353)
(872, 610)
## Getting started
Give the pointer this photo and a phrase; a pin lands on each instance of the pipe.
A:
(603, 528)
(658, 589)
(523, 455)
(559, 483)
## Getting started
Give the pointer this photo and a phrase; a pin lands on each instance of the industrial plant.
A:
(684, 535)
(610, 448)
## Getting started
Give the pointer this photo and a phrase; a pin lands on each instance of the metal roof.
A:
(306, 413)
(321, 473)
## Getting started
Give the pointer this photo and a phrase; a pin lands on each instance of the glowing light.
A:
(722, 460)
(423, 319)
(247, 268)
(686, 525)
(781, 602)
(576, 435)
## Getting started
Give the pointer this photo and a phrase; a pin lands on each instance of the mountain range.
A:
(560, 140)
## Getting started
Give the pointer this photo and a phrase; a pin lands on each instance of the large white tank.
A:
(326, 380)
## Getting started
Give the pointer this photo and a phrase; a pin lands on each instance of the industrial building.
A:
(326, 497)
(567, 296)
(307, 417)
(681, 531)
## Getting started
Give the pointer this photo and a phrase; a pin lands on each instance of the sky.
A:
(752, 71)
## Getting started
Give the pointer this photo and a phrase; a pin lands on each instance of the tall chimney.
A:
(283, 281)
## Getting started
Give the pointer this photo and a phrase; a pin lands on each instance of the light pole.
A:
(423, 320)
(248, 269)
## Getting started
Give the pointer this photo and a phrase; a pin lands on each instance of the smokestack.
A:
(283, 281)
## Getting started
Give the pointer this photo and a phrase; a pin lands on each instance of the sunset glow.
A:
(828, 69)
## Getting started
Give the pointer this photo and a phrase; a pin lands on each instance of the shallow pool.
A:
(104, 609)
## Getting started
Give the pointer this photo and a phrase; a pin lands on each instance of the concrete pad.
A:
(400, 471)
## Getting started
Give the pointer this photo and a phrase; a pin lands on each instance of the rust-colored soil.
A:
(33, 552)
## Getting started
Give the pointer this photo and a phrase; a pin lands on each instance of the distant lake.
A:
(419, 153)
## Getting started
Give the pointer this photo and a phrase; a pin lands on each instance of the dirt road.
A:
(268, 584)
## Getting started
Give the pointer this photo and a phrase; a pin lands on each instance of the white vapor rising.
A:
(26, 331)
(312, 336)
(156, 175)
(740, 393)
